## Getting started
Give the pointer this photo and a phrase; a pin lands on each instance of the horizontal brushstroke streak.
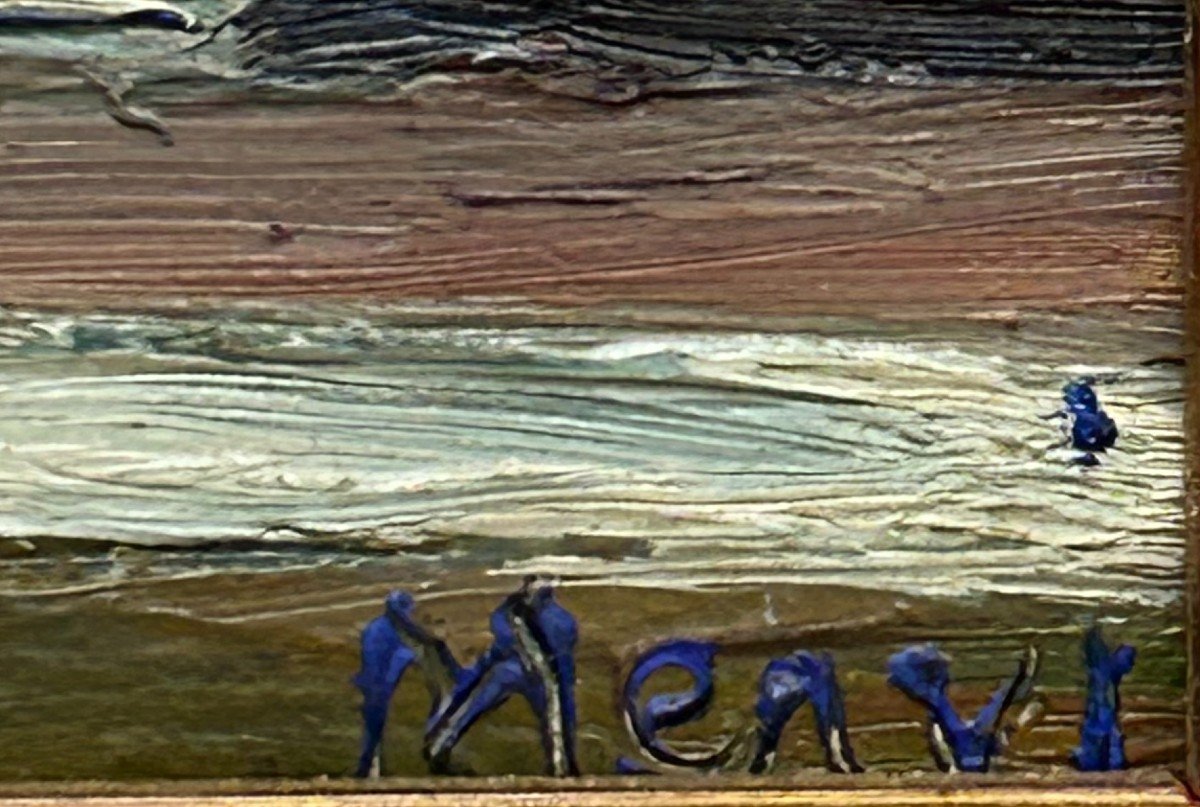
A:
(614, 53)
(629, 47)
(913, 460)
(850, 201)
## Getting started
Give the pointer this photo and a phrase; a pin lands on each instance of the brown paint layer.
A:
(813, 200)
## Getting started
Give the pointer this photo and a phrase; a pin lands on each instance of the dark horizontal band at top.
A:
(878, 41)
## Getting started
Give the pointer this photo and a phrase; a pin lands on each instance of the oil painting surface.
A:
(590, 389)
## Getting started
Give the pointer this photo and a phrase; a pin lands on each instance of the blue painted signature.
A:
(532, 655)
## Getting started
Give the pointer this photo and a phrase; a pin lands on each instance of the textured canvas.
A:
(449, 388)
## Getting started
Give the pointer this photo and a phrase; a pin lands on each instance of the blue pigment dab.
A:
(385, 658)
(786, 684)
(1089, 428)
(664, 711)
(923, 674)
(1101, 743)
(532, 655)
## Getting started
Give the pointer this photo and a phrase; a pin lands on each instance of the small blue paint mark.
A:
(1101, 743)
(1091, 431)
(629, 767)
(384, 660)
(787, 684)
(923, 674)
(532, 655)
(665, 711)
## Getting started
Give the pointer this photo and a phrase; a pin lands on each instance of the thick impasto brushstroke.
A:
(740, 319)
(786, 685)
(532, 655)
(659, 712)
(923, 674)
(1086, 427)
(1102, 743)
(917, 462)
(685, 45)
